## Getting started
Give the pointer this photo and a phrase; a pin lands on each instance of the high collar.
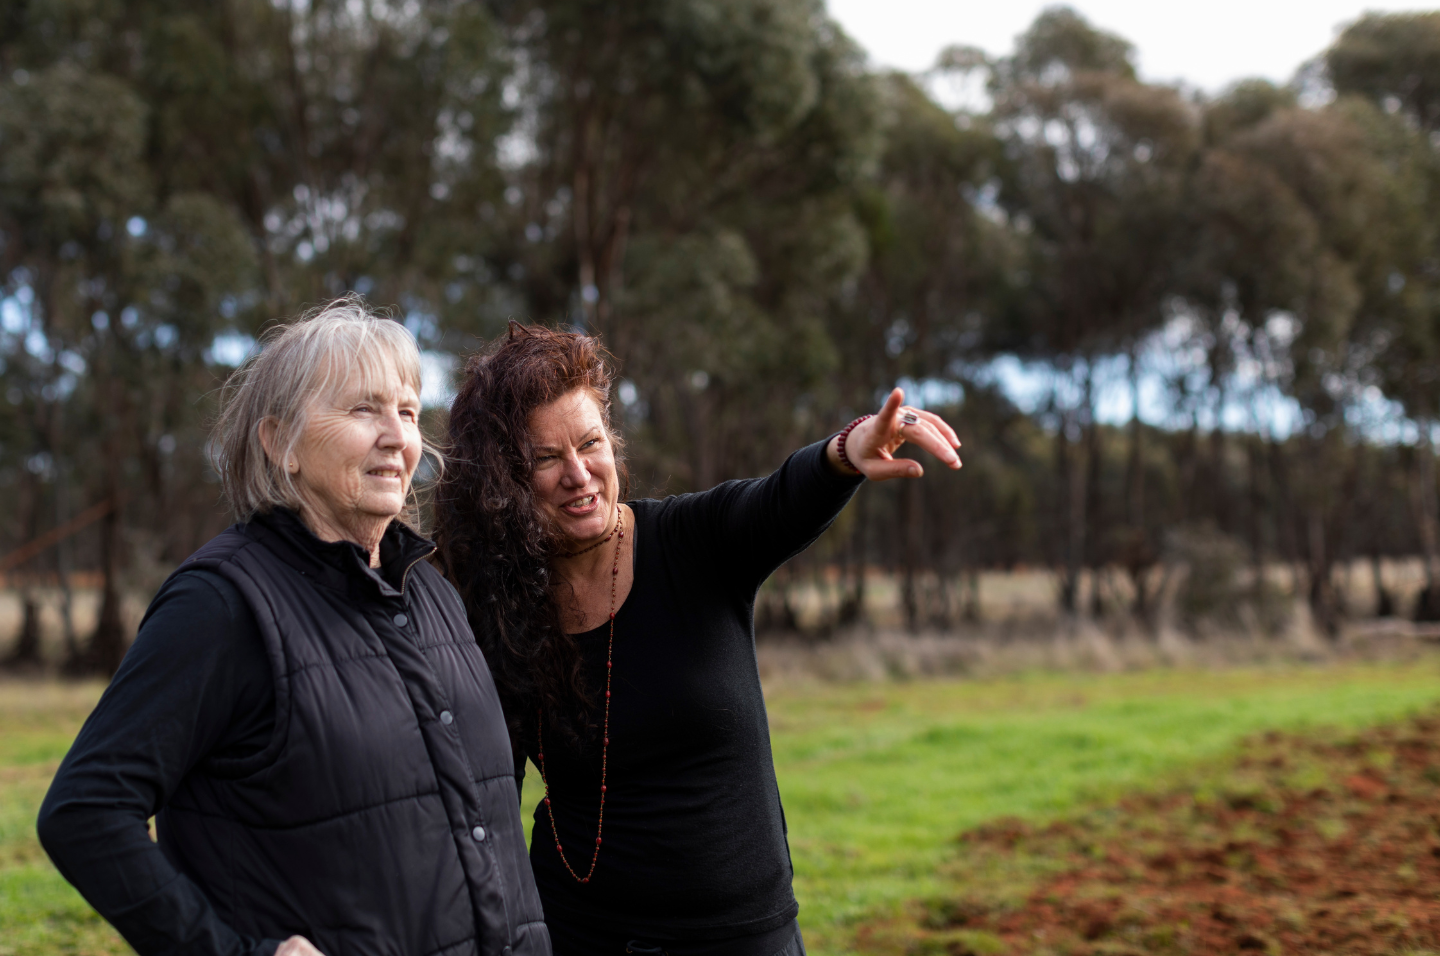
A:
(340, 564)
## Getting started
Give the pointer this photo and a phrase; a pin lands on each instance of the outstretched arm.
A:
(871, 445)
(751, 527)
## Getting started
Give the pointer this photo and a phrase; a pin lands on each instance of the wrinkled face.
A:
(358, 453)
(575, 480)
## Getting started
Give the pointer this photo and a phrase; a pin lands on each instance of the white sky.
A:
(1208, 45)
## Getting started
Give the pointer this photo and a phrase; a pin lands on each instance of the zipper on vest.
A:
(405, 578)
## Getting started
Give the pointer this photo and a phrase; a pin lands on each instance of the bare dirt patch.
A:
(1302, 845)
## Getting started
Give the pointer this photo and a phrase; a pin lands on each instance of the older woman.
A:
(304, 710)
(621, 635)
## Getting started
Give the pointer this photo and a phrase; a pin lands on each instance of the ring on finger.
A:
(908, 417)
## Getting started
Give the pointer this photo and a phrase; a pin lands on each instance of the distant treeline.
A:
(768, 233)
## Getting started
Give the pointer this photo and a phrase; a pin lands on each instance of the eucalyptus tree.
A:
(172, 171)
(940, 259)
(1099, 164)
(1300, 221)
(1393, 61)
(686, 176)
(1252, 256)
(122, 283)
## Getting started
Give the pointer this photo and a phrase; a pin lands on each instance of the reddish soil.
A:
(1302, 846)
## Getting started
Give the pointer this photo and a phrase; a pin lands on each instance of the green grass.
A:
(877, 778)
(40, 914)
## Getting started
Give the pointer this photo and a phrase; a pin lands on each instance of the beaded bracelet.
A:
(840, 442)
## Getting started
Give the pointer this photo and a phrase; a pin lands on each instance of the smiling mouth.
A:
(384, 472)
(581, 504)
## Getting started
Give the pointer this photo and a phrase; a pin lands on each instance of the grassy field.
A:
(1321, 841)
(40, 914)
(877, 778)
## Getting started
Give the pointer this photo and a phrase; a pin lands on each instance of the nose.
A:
(393, 433)
(575, 474)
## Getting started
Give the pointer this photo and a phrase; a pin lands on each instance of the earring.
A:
(293, 466)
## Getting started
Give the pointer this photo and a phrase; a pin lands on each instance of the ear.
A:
(269, 431)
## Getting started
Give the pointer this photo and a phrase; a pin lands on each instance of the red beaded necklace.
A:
(605, 734)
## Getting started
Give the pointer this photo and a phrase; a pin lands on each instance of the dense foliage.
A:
(767, 233)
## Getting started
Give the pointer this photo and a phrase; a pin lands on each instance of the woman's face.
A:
(356, 457)
(575, 480)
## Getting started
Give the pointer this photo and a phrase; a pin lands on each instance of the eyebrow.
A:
(379, 398)
(597, 428)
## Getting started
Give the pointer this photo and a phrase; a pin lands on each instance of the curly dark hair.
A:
(494, 544)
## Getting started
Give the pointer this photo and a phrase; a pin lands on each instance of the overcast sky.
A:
(1208, 45)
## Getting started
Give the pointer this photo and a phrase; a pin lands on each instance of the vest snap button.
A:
(478, 833)
(447, 718)
(401, 620)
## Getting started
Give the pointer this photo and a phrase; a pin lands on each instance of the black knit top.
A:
(695, 839)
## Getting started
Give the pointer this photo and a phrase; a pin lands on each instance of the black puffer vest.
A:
(382, 818)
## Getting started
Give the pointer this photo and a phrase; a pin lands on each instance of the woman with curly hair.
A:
(621, 637)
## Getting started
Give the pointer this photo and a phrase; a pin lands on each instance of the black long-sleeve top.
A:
(195, 684)
(694, 834)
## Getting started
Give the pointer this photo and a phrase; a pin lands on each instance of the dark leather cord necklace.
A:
(605, 733)
(586, 550)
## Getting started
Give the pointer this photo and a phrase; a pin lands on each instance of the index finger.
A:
(890, 411)
(942, 427)
(929, 438)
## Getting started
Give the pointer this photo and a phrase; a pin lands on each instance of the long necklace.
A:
(605, 733)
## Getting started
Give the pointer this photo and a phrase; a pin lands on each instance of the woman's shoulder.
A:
(646, 507)
(660, 505)
(689, 516)
(657, 510)
(200, 592)
(201, 582)
(222, 548)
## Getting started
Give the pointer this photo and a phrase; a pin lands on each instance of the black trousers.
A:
(574, 940)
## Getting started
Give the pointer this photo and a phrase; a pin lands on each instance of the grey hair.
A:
(296, 366)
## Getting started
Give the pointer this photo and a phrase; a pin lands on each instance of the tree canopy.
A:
(768, 232)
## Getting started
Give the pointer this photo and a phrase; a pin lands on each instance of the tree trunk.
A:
(612, 276)
(1254, 454)
(580, 214)
(1072, 510)
(1189, 465)
(972, 613)
(1318, 566)
(1425, 506)
(67, 611)
(1138, 555)
(63, 547)
(26, 653)
(1096, 543)
(1283, 512)
(852, 605)
(1219, 487)
(910, 508)
(1384, 600)
(1323, 529)
(27, 648)
(107, 644)
(1135, 470)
